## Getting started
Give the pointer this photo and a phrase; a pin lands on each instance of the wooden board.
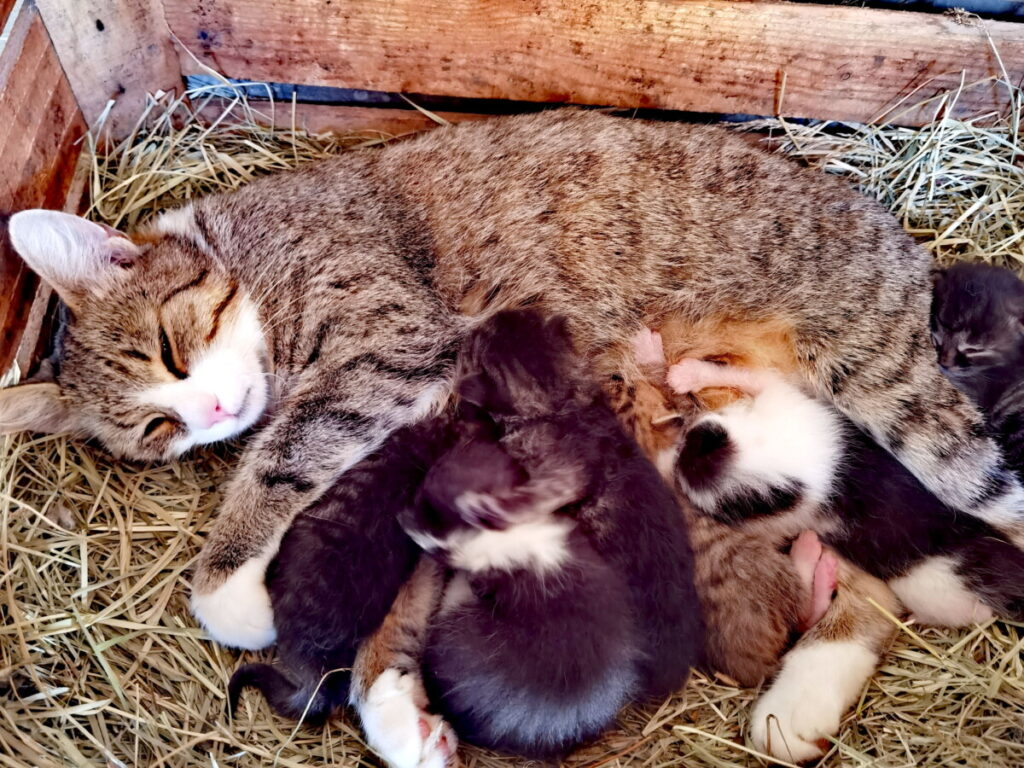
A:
(5, 10)
(113, 49)
(323, 118)
(703, 55)
(40, 124)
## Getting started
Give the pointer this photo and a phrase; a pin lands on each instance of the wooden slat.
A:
(113, 49)
(704, 55)
(5, 10)
(322, 118)
(40, 125)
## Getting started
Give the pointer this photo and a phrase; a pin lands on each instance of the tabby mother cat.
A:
(329, 302)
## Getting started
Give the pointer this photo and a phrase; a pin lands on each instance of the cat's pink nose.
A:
(217, 413)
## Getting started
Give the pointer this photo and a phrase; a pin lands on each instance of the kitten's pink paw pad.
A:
(805, 554)
(825, 575)
(687, 376)
(648, 348)
(818, 570)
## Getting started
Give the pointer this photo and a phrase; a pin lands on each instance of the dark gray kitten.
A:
(573, 591)
(977, 325)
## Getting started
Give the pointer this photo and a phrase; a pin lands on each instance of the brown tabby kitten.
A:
(345, 281)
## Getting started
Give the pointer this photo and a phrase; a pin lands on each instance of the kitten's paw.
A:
(818, 570)
(399, 730)
(818, 682)
(687, 376)
(936, 593)
(238, 613)
(648, 349)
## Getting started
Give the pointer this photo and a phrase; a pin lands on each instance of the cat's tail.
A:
(310, 703)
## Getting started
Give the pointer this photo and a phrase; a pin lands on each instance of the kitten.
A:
(327, 303)
(556, 618)
(336, 575)
(761, 589)
(533, 650)
(977, 328)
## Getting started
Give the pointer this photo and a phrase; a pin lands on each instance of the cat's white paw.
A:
(803, 707)
(398, 729)
(647, 348)
(238, 612)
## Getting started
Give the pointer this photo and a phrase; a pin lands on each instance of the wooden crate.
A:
(63, 61)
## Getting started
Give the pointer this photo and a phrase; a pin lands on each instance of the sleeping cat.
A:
(977, 327)
(328, 303)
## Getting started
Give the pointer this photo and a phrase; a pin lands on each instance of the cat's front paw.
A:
(399, 730)
(803, 708)
(237, 612)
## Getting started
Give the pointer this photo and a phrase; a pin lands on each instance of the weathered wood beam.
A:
(801, 60)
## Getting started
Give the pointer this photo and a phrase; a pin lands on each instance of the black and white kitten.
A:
(782, 460)
(573, 590)
(977, 326)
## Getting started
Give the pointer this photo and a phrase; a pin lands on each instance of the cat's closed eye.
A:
(168, 357)
(158, 425)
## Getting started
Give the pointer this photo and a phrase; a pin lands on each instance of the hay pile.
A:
(101, 664)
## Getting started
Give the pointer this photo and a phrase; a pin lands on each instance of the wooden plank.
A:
(5, 10)
(40, 125)
(327, 118)
(703, 55)
(113, 49)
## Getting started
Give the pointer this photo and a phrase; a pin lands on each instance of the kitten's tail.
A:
(308, 703)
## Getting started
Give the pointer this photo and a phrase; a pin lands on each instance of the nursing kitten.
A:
(337, 574)
(977, 328)
(593, 603)
(533, 650)
(347, 280)
(781, 459)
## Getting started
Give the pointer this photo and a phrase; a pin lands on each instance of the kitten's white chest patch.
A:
(539, 545)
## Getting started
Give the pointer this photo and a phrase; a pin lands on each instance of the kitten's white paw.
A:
(686, 376)
(647, 348)
(818, 682)
(936, 594)
(398, 729)
(238, 612)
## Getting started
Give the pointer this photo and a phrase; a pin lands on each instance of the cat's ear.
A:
(35, 408)
(71, 254)
(938, 275)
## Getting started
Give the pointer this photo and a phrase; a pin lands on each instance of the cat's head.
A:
(977, 317)
(163, 350)
(521, 363)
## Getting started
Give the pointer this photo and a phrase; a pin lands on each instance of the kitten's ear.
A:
(474, 389)
(71, 254)
(938, 275)
(35, 408)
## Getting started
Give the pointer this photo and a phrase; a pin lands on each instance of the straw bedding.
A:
(101, 664)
